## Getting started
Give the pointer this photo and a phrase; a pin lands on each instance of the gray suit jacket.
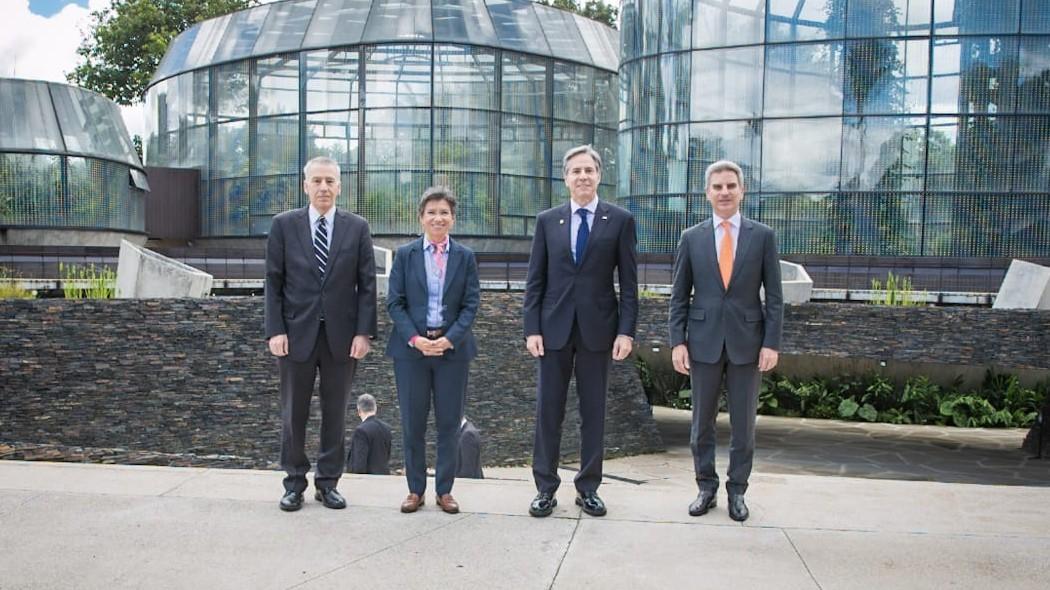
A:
(706, 315)
(296, 296)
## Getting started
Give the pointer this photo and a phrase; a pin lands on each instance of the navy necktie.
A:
(582, 234)
(321, 244)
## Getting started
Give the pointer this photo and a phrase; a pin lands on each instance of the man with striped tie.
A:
(320, 317)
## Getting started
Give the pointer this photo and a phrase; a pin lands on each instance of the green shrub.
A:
(897, 291)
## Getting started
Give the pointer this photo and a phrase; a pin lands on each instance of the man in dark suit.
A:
(433, 299)
(720, 331)
(370, 442)
(320, 315)
(574, 321)
(468, 462)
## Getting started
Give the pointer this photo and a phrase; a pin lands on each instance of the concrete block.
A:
(1026, 286)
(796, 283)
(144, 274)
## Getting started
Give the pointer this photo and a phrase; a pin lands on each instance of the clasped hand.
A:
(436, 347)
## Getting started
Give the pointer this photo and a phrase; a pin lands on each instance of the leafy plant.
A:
(897, 291)
(87, 282)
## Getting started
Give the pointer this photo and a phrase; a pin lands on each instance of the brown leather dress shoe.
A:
(412, 503)
(448, 503)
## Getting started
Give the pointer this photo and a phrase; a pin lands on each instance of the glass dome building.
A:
(885, 128)
(66, 164)
(481, 95)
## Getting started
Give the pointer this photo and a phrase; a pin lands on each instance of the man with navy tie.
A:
(575, 322)
(320, 317)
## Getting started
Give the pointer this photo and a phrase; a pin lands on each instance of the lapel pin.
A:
(605, 217)
(561, 222)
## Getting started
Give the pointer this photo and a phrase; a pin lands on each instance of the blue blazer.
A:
(407, 300)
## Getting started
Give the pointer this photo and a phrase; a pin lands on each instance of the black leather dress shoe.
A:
(291, 501)
(330, 497)
(705, 500)
(737, 508)
(543, 504)
(591, 503)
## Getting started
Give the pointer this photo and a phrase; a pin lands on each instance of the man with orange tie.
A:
(720, 331)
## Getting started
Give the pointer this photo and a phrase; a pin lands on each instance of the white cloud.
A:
(39, 48)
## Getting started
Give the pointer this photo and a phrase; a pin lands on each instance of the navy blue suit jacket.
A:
(557, 290)
(407, 300)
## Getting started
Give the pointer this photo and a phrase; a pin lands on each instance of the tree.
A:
(127, 41)
(596, 10)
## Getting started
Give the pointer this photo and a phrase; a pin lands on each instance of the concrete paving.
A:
(65, 525)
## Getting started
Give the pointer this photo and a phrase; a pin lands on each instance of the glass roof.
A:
(292, 25)
(54, 117)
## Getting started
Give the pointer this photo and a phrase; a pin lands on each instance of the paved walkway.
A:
(65, 525)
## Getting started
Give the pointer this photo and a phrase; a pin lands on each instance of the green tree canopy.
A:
(126, 43)
(596, 10)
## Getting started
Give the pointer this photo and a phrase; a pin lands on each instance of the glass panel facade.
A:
(456, 107)
(868, 128)
(29, 118)
(91, 124)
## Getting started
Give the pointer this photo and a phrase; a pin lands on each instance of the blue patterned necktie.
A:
(321, 244)
(582, 234)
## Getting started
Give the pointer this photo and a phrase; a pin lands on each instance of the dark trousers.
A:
(742, 383)
(420, 382)
(297, 386)
(556, 367)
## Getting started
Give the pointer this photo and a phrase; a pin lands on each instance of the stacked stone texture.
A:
(189, 382)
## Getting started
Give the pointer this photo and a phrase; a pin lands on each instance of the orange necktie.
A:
(725, 254)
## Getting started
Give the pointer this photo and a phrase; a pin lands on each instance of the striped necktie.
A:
(321, 244)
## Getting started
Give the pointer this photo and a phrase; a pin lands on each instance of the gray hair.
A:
(723, 166)
(580, 149)
(321, 161)
(366, 403)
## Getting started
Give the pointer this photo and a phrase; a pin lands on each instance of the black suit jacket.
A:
(558, 291)
(296, 295)
(706, 315)
(468, 461)
(370, 448)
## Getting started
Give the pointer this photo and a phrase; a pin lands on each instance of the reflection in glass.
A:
(524, 84)
(521, 198)
(886, 76)
(804, 79)
(801, 154)
(400, 20)
(523, 146)
(559, 28)
(566, 136)
(974, 74)
(333, 135)
(517, 26)
(230, 157)
(285, 27)
(271, 195)
(802, 20)
(397, 139)
(573, 92)
(888, 18)
(739, 141)
(32, 183)
(466, 140)
(883, 153)
(464, 77)
(976, 16)
(463, 21)
(332, 80)
(1033, 92)
(230, 90)
(476, 215)
(718, 23)
(277, 85)
(1032, 155)
(675, 25)
(398, 75)
(337, 22)
(726, 84)
(91, 124)
(277, 146)
(29, 119)
(389, 201)
(241, 34)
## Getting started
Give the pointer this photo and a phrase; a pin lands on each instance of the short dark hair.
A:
(437, 193)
